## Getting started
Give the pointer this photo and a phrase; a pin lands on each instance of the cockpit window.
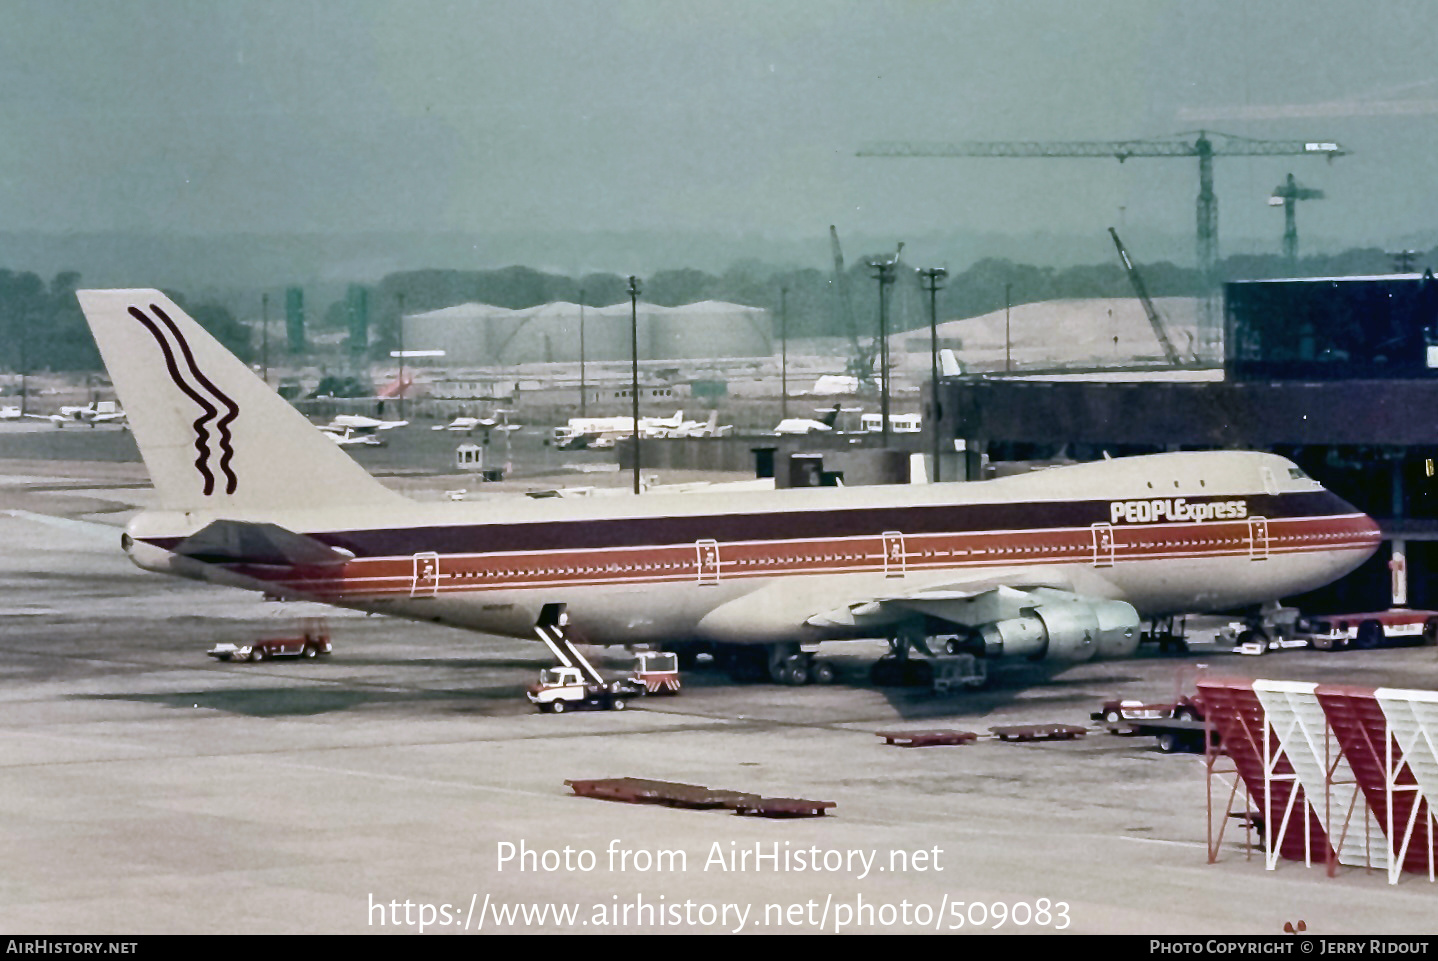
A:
(1295, 473)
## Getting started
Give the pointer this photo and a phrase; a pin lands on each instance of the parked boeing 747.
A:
(1060, 564)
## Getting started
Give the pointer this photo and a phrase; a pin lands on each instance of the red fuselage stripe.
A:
(893, 554)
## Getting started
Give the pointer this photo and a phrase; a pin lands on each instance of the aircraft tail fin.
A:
(949, 363)
(213, 436)
(831, 418)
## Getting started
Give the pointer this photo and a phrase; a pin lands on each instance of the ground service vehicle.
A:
(1378, 629)
(1118, 713)
(658, 671)
(1175, 735)
(562, 688)
(314, 641)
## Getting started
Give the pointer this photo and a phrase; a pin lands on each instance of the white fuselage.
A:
(1168, 533)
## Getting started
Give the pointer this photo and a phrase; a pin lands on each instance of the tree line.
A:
(41, 327)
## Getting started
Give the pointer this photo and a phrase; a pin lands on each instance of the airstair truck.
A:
(574, 684)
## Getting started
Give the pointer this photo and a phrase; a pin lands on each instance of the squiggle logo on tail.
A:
(163, 329)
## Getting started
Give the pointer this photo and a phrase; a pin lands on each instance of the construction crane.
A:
(863, 361)
(1205, 146)
(1154, 320)
(1287, 195)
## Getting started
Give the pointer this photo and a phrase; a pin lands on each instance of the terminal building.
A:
(1338, 374)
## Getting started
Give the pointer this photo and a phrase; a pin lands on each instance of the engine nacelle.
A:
(1074, 631)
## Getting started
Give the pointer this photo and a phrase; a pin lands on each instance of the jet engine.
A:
(1071, 631)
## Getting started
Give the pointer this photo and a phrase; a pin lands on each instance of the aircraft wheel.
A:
(1370, 635)
(952, 646)
(796, 674)
(824, 672)
(557, 707)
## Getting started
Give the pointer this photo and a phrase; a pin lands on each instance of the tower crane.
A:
(1140, 288)
(1287, 195)
(1205, 146)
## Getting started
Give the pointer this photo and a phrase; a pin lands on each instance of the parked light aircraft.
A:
(103, 412)
(469, 425)
(350, 437)
(360, 422)
(806, 425)
(599, 433)
(1057, 565)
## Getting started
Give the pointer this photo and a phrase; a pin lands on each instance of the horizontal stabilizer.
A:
(240, 542)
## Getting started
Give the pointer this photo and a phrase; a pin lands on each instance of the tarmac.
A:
(404, 784)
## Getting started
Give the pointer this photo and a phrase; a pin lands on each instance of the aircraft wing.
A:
(966, 602)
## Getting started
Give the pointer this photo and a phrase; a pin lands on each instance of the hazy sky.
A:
(738, 116)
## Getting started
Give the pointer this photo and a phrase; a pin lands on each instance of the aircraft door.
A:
(708, 562)
(895, 559)
(1103, 545)
(1258, 538)
(426, 575)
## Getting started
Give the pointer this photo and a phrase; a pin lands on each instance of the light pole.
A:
(634, 383)
(1008, 336)
(265, 337)
(583, 387)
(784, 353)
(400, 296)
(884, 271)
(25, 360)
(932, 278)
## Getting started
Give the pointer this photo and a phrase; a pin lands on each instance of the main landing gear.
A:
(777, 663)
(912, 663)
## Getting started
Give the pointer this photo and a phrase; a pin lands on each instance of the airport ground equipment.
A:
(1038, 732)
(1327, 773)
(658, 671)
(783, 807)
(312, 641)
(1274, 628)
(1399, 626)
(934, 738)
(1176, 735)
(1121, 714)
(958, 672)
(1124, 715)
(575, 683)
(632, 790)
